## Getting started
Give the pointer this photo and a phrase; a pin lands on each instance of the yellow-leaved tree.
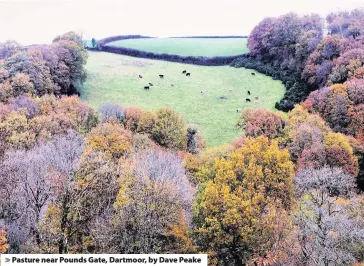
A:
(234, 210)
(3, 241)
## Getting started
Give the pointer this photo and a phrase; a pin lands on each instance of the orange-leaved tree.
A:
(3, 241)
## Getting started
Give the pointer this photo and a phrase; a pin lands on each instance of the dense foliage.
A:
(240, 200)
(295, 50)
(43, 69)
(127, 180)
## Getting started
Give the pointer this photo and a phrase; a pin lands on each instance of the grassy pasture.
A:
(114, 78)
(188, 46)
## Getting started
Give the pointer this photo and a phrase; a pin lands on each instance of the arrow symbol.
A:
(7, 260)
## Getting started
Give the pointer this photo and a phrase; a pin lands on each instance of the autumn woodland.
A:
(123, 179)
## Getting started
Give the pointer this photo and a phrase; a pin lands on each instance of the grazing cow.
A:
(249, 92)
(222, 98)
(230, 89)
(161, 76)
(238, 110)
(188, 74)
(184, 72)
(146, 87)
(140, 76)
(253, 74)
(203, 92)
(256, 98)
(150, 84)
(248, 100)
(172, 85)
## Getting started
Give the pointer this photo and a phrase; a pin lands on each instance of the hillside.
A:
(114, 78)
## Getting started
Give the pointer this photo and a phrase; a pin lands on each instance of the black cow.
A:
(172, 85)
(140, 76)
(150, 84)
(253, 74)
(146, 87)
(249, 92)
(161, 76)
(188, 74)
(248, 100)
(184, 72)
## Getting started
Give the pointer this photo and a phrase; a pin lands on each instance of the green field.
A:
(188, 46)
(114, 78)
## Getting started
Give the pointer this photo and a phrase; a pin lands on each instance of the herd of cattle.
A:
(162, 77)
(203, 92)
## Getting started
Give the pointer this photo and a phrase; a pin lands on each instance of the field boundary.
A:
(213, 37)
(194, 60)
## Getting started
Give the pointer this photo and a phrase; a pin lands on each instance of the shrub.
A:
(110, 138)
(131, 118)
(261, 122)
(110, 111)
(142, 142)
(93, 41)
(146, 122)
(84, 117)
(194, 140)
(169, 129)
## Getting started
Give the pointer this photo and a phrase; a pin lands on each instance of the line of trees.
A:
(107, 40)
(294, 49)
(103, 45)
(213, 37)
